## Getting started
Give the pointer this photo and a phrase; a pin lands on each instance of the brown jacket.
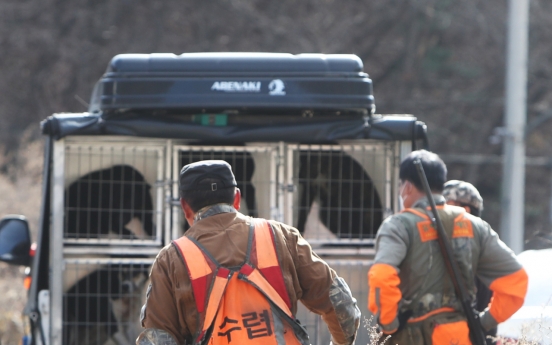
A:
(170, 304)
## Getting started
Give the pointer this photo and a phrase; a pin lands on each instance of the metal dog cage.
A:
(339, 193)
(113, 192)
(334, 194)
(102, 299)
(108, 223)
(254, 167)
(312, 187)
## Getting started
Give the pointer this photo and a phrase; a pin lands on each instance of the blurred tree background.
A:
(441, 60)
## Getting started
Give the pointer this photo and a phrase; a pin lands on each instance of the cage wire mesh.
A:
(355, 273)
(102, 299)
(112, 193)
(331, 193)
(253, 168)
(339, 190)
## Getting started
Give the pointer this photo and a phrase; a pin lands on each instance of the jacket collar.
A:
(424, 202)
(211, 210)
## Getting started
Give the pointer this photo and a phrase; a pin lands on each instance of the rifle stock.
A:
(476, 330)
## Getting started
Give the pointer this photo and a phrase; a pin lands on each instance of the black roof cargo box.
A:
(234, 81)
(236, 98)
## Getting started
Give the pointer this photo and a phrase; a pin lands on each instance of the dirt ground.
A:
(12, 302)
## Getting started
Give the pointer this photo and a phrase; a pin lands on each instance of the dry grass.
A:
(373, 330)
(20, 191)
(533, 332)
(12, 302)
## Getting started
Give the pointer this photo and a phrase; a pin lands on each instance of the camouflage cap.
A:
(463, 192)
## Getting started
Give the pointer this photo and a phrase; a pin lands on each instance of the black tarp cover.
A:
(396, 127)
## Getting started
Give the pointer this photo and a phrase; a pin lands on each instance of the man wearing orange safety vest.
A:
(411, 292)
(233, 279)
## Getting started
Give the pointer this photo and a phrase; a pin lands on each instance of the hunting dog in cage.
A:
(103, 306)
(109, 203)
(102, 303)
(337, 198)
(335, 193)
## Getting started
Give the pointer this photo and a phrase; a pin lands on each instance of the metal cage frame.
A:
(385, 186)
(279, 188)
(64, 174)
(270, 150)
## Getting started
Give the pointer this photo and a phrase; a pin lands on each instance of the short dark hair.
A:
(198, 199)
(434, 167)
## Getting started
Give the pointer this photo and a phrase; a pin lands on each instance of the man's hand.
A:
(152, 336)
(403, 319)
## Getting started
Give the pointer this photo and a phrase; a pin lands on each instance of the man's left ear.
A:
(188, 212)
(407, 187)
(237, 199)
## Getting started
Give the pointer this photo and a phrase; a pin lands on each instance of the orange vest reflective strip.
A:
(431, 313)
(221, 280)
(258, 280)
(421, 214)
(198, 269)
(416, 212)
(267, 259)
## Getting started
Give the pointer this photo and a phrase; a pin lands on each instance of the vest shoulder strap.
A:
(266, 258)
(417, 211)
(208, 278)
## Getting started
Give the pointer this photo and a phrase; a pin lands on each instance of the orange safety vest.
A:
(462, 227)
(248, 304)
(444, 332)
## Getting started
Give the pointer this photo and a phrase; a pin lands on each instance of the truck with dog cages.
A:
(303, 140)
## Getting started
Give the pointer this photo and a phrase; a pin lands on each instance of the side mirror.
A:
(15, 240)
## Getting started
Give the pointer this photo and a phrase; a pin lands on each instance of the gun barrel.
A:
(476, 330)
